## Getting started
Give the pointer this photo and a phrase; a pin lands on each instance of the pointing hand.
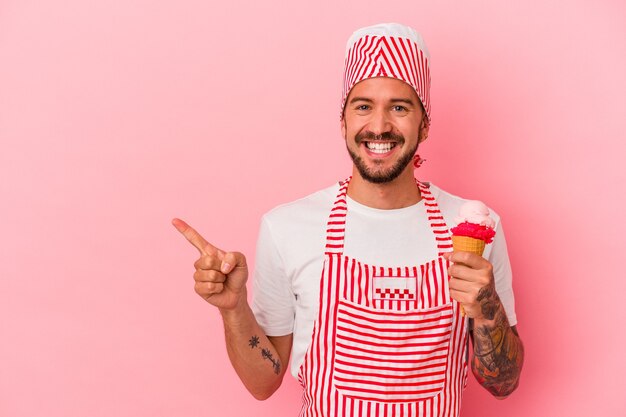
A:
(220, 276)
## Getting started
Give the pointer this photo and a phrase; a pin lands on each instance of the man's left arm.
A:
(498, 351)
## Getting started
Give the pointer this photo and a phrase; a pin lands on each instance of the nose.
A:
(380, 123)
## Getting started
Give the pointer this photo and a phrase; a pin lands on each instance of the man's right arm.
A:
(260, 361)
(220, 279)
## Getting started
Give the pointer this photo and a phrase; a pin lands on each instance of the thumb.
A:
(233, 260)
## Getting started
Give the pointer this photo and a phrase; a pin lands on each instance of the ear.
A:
(343, 127)
(424, 127)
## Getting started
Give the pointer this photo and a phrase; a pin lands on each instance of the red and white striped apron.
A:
(387, 341)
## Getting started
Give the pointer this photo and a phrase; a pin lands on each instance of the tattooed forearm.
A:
(265, 354)
(498, 351)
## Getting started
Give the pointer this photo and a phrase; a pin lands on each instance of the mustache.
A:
(390, 136)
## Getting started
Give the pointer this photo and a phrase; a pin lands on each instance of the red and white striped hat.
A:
(388, 50)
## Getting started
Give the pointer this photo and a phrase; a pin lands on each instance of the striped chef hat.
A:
(388, 50)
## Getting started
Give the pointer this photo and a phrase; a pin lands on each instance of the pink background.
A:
(116, 116)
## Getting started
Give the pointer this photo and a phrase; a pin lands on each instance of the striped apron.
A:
(386, 341)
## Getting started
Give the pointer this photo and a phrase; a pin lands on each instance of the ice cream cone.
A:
(474, 230)
(468, 244)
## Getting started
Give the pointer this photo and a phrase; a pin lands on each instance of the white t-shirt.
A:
(290, 256)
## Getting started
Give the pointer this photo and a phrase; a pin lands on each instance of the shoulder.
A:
(496, 252)
(450, 203)
(303, 210)
(305, 218)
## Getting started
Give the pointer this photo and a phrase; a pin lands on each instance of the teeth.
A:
(379, 147)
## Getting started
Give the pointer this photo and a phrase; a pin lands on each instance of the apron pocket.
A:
(391, 356)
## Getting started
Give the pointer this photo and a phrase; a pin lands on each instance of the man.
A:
(384, 329)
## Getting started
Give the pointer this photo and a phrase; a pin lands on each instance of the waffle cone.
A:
(468, 244)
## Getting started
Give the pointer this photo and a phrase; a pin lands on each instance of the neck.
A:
(399, 193)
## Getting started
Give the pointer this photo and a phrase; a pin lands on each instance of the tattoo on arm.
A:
(487, 299)
(498, 351)
(253, 342)
(265, 354)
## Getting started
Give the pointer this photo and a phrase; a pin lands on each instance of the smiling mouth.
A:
(380, 147)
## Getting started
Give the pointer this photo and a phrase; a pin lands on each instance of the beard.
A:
(381, 176)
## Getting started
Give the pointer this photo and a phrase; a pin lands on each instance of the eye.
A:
(362, 107)
(399, 108)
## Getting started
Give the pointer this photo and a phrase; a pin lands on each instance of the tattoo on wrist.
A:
(498, 355)
(488, 301)
(265, 354)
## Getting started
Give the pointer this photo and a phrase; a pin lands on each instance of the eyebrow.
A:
(403, 100)
(393, 100)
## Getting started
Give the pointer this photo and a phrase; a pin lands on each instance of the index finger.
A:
(200, 243)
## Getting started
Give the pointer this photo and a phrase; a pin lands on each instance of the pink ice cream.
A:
(474, 221)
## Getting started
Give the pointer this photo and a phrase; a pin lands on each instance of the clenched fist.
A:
(472, 284)
(220, 277)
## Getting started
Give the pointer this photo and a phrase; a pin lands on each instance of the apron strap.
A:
(435, 217)
(336, 226)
